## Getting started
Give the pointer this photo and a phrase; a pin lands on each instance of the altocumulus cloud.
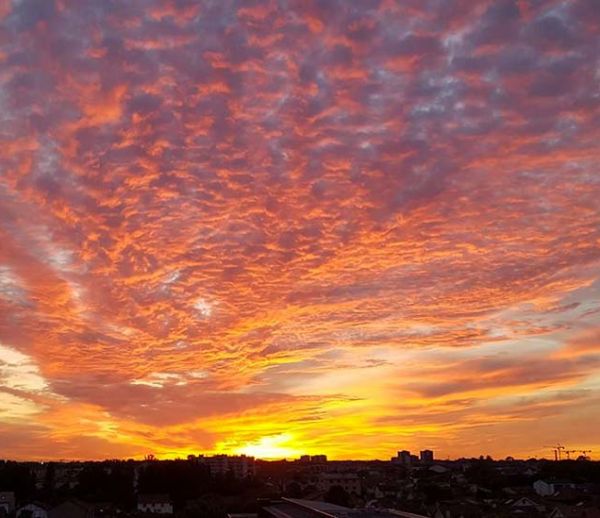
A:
(214, 215)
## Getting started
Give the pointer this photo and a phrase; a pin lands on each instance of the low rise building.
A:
(240, 466)
(525, 505)
(7, 502)
(72, 509)
(157, 504)
(33, 510)
(349, 482)
(551, 487)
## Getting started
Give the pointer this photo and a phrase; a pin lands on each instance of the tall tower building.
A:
(426, 456)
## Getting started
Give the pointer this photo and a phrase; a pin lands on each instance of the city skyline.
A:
(406, 457)
(289, 227)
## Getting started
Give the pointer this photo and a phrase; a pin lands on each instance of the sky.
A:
(299, 226)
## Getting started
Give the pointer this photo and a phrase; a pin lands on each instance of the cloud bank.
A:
(355, 225)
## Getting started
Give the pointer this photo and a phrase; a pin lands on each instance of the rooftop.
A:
(154, 499)
(297, 508)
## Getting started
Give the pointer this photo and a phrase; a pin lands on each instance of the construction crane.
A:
(557, 451)
(584, 454)
(568, 452)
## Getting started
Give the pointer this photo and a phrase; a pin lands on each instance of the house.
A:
(349, 482)
(574, 511)
(33, 510)
(556, 513)
(525, 504)
(439, 469)
(547, 488)
(72, 509)
(240, 466)
(452, 508)
(157, 504)
(7, 502)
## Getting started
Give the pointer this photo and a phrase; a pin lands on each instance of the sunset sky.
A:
(287, 227)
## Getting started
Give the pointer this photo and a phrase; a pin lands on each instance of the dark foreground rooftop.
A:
(296, 508)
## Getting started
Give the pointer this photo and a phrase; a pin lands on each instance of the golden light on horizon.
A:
(274, 447)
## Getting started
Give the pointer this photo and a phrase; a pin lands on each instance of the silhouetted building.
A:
(403, 458)
(240, 466)
(33, 510)
(426, 456)
(551, 487)
(312, 459)
(7, 502)
(72, 509)
(157, 504)
(349, 482)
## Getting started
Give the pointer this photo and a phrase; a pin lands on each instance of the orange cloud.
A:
(243, 229)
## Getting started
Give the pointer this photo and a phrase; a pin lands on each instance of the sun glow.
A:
(270, 447)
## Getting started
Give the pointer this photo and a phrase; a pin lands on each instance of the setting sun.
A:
(270, 448)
